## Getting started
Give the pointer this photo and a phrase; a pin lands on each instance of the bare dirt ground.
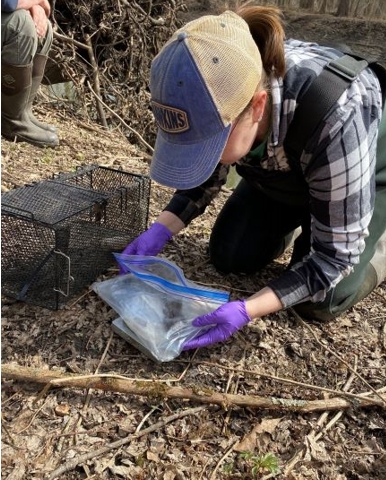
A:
(278, 356)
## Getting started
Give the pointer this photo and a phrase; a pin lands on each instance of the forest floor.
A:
(164, 437)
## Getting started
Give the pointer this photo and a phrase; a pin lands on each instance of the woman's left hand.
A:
(225, 321)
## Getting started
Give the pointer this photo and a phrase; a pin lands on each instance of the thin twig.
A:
(95, 75)
(271, 475)
(339, 414)
(104, 353)
(119, 443)
(78, 299)
(285, 380)
(299, 454)
(145, 418)
(88, 397)
(32, 419)
(226, 454)
(203, 469)
(11, 440)
(159, 21)
(234, 391)
(66, 39)
(142, 140)
(63, 435)
(185, 369)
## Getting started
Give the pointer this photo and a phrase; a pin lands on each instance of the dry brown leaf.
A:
(268, 425)
(121, 470)
(62, 410)
(248, 442)
(316, 450)
(152, 456)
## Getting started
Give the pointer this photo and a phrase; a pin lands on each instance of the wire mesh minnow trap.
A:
(58, 235)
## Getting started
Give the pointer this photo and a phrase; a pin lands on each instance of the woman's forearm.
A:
(262, 303)
(171, 221)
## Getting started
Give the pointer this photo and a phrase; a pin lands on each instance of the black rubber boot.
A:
(38, 67)
(16, 82)
(379, 260)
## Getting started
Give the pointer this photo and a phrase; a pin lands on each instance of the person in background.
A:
(26, 38)
(223, 91)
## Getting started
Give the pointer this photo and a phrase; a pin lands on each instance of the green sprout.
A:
(48, 156)
(260, 463)
(228, 468)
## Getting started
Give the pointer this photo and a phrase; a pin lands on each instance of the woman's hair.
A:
(266, 26)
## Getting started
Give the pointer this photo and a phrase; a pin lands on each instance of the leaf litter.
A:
(40, 436)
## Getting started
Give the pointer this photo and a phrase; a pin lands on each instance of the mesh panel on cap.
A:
(228, 60)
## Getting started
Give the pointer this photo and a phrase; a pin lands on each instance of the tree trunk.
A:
(306, 4)
(372, 9)
(323, 7)
(343, 8)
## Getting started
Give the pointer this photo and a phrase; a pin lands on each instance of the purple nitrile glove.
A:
(150, 242)
(226, 320)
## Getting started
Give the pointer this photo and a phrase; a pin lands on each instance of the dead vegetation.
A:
(105, 50)
(78, 431)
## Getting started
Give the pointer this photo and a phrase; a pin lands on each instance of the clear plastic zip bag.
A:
(156, 305)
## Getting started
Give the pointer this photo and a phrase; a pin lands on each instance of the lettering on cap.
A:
(170, 119)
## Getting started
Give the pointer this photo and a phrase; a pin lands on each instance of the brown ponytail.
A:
(266, 26)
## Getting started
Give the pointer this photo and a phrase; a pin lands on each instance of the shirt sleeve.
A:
(189, 204)
(8, 5)
(340, 172)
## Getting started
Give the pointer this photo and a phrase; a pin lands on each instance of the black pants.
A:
(251, 231)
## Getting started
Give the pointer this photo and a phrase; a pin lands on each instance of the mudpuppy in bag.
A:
(156, 305)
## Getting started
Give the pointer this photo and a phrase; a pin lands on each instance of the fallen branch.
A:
(160, 391)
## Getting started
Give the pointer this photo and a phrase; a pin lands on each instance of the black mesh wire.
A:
(58, 235)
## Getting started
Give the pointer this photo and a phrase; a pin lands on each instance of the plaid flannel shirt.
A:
(338, 164)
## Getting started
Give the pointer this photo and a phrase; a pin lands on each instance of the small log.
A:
(160, 390)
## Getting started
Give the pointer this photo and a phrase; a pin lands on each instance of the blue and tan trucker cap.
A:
(200, 81)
